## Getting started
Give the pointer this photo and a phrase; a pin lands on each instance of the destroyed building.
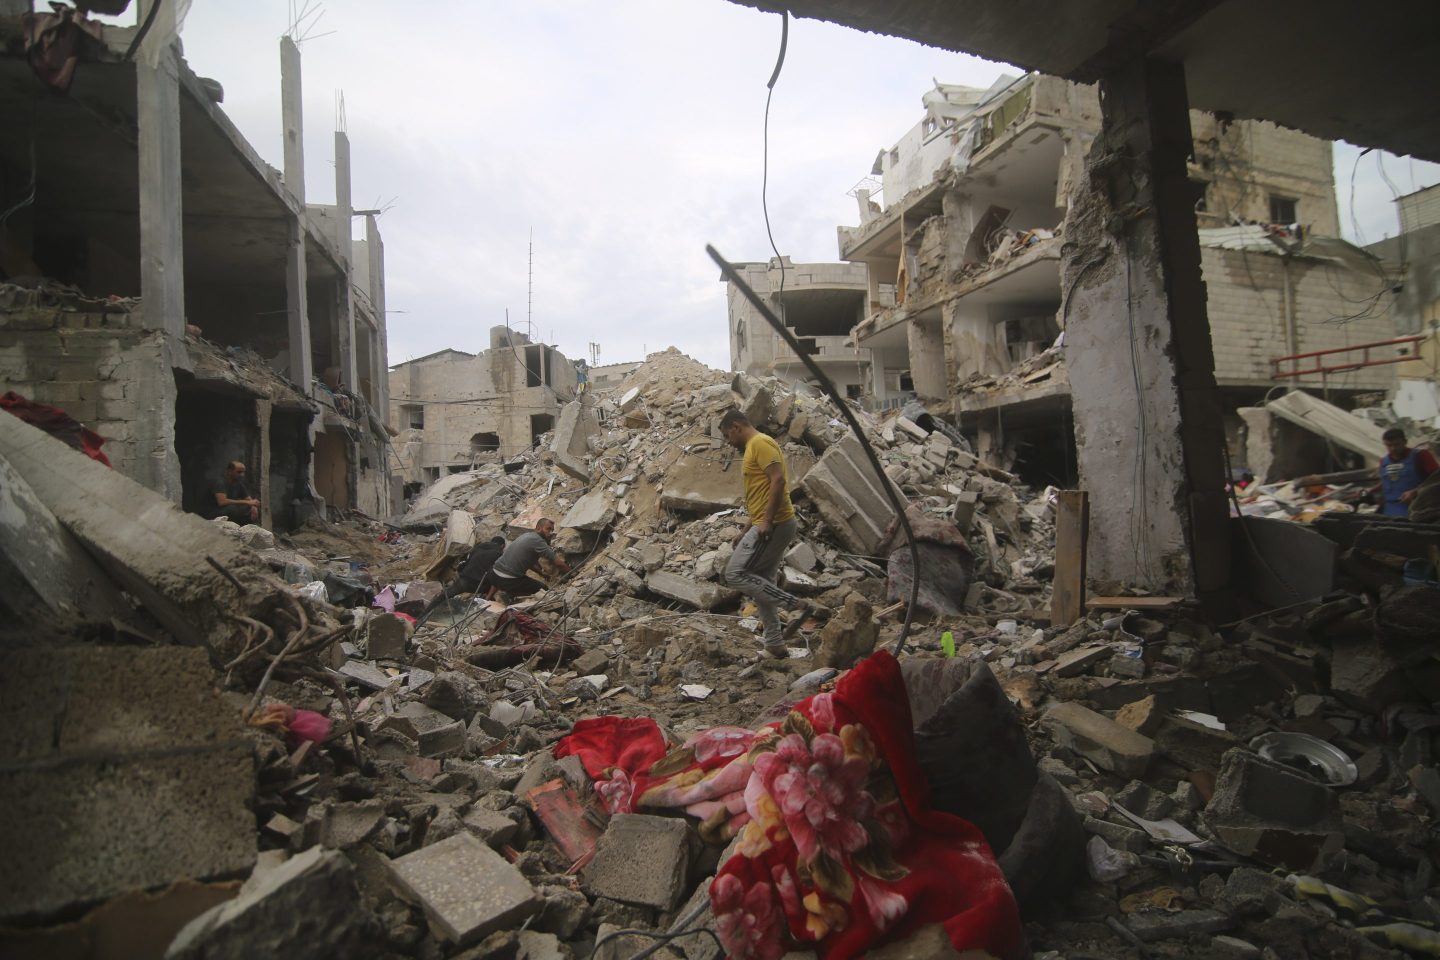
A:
(964, 261)
(451, 410)
(1414, 256)
(820, 304)
(169, 289)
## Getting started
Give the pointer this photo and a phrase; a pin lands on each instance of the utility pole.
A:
(530, 291)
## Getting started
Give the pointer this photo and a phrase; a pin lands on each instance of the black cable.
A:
(144, 29)
(765, 152)
(661, 939)
(828, 386)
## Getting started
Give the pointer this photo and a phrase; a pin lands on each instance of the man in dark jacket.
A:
(230, 498)
(482, 557)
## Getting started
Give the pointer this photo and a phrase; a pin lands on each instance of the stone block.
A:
(1267, 811)
(705, 596)
(693, 485)
(1100, 739)
(457, 695)
(413, 719)
(965, 503)
(589, 662)
(491, 826)
(1366, 677)
(444, 741)
(307, 908)
(123, 770)
(418, 596)
(641, 860)
(801, 557)
(386, 636)
(347, 825)
(466, 889)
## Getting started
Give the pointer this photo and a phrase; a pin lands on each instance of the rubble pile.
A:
(1151, 785)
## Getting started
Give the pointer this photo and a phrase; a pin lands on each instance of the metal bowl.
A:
(1309, 755)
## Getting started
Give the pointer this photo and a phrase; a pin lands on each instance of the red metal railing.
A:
(1364, 361)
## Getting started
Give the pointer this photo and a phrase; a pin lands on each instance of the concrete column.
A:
(293, 111)
(345, 298)
(263, 409)
(162, 267)
(380, 357)
(927, 358)
(301, 363)
(1147, 413)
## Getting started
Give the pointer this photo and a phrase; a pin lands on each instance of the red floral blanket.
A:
(837, 848)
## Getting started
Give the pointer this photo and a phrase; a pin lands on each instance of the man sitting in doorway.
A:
(1402, 470)
(230, 498)
(509, 574)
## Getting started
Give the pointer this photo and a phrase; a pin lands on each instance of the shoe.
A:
(776, 651)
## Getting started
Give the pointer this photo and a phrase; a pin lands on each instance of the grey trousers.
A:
(752, 569)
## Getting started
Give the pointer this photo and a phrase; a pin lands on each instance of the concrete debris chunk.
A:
(705, 596)
(1264, 810)
(466, 889)
(307, 908)
(642, 860)
(386, 636)
(1100, 739)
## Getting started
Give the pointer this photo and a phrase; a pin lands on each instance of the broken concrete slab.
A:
(1072, 663)
(413, 720)
(705, 596)
(850, 498)
(1101, 740)
(1183, 924)
(50, 574)
(466, 889)
(1265, 810)
(570, 445)
(594, 512)
(1365, 676)
(443, 741)
(307, 907)
(459, 534)
(641, 860)
(347, 825)
(693, 485)
(121, 757)
(143, 541)
(1192, 745)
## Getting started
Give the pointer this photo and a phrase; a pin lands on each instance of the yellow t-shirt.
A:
(760, 452)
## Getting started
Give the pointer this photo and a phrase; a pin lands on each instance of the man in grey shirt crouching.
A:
(510, 573)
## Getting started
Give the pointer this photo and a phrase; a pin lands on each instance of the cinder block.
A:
(641, 860)
(467, 890)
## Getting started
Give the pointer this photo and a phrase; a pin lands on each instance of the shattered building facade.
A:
(964, 262)
(1414, 256)
(172, 291)
(821, 303)
(451, 410)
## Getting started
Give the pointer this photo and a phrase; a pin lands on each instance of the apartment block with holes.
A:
(1414, 255)
(452, 411)
(961, 227)
(820, 305)
(166, 287)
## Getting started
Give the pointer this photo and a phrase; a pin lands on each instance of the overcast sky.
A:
(625, 135)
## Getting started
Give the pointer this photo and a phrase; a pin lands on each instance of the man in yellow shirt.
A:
(760, 549)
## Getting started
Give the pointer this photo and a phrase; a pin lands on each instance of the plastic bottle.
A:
(947, 643)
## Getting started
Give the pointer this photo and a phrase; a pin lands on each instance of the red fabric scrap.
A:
(57, 423)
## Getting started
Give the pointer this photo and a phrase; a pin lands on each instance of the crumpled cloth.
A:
(516, 637)
(838, 849)
(57, 423)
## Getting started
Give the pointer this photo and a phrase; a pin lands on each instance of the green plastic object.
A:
(947, 643)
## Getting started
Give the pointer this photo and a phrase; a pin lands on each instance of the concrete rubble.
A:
(1113, 764)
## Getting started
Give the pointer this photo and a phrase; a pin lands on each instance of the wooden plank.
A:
(1132, 603)
(1072, 531)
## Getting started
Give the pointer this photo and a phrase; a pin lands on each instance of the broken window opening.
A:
(534, 366)
(413, 415)
(212, 429)
(485, 443)
(540, 424)
(1284, 209)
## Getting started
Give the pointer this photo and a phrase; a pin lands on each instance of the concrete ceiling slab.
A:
(1362, 72)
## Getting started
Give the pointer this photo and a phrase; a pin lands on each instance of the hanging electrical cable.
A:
(765, 148)
(826, 384)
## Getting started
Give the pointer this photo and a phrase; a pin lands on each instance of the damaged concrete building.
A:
(965, 258)
(821, 303)
(451, 410)
(1414, 256)
(169, 289)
